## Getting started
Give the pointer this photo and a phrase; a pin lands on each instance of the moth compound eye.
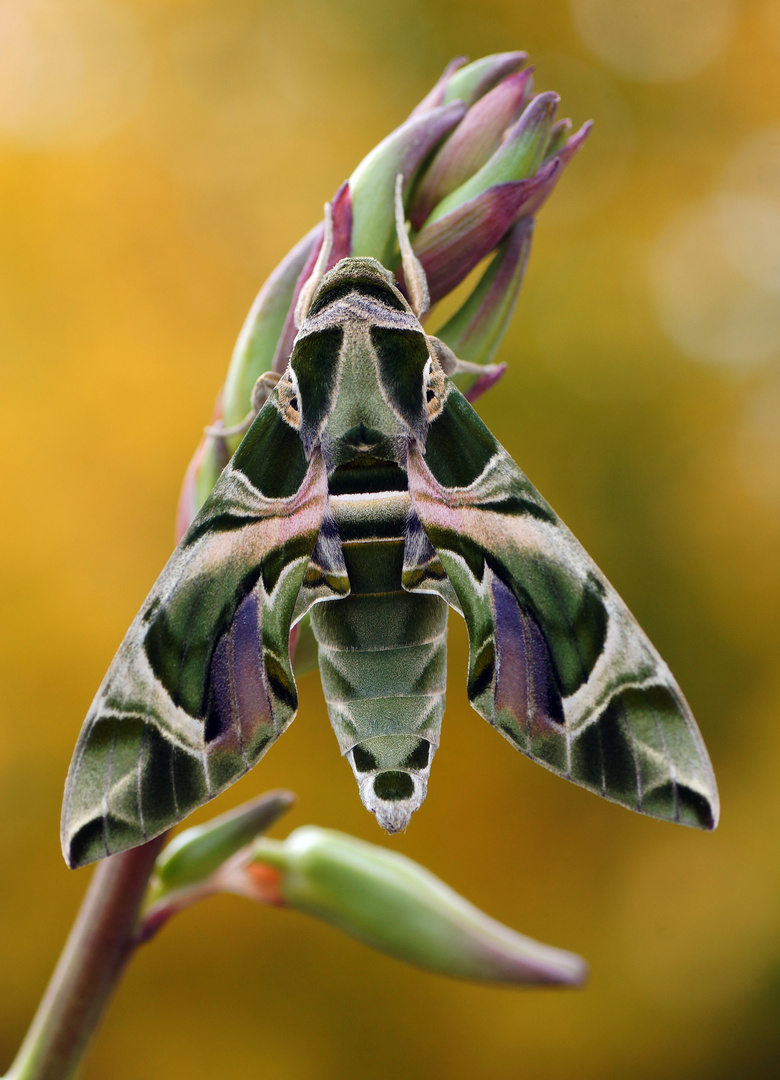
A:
(434, 386)
(289, 399)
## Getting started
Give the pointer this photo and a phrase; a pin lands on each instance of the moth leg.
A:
(261, 391)
(414, 275)
(451, 365)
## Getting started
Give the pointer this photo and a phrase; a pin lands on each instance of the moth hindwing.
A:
(368, 493)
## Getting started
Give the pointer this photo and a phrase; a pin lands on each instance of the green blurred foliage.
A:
(146, 191)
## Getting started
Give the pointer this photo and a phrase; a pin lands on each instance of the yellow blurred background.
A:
(157, 159)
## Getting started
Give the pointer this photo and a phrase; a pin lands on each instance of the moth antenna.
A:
(306, 295)
(414, 275)
(260, 394)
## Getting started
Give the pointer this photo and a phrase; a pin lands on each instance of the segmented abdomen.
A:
(382, 659)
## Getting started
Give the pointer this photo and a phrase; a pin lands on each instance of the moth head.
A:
(362, 382)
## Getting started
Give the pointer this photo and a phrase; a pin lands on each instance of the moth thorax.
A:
(392, 773)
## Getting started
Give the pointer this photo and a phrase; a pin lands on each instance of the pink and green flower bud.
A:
(259, 337)
(518, 157)
(373, 182)
(435, 97)
(466, 82)
(472, 143)
(564, 145)
(253, 354)
(574, 142)
(476, 330)
(470, 83)
(396, 906)
(341, 210)
(559, 133)
(451, 247)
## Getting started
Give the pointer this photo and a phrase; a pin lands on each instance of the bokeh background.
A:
(157, 159)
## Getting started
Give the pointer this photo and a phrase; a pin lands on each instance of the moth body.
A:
(382, 650)
(382, 654)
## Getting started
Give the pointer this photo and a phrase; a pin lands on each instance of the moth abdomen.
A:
(382, 660)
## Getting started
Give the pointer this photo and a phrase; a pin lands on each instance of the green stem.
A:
(92, 962)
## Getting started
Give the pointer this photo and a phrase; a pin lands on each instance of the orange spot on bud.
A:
(263, 883)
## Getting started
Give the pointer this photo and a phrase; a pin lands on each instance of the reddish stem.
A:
(89, 969)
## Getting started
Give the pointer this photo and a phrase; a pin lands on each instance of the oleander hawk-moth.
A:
(369, 493)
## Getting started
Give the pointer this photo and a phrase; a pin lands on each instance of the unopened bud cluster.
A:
(479, 156)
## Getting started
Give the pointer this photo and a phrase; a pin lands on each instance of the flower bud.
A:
(197, 852)
(470, 83)
(394, 905)
(373, 182)
(256, 345)
(188, 868)
(471, 144)
(519, 156)
(452, 246)
(476, 330)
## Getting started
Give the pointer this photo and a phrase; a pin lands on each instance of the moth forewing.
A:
(202, 683)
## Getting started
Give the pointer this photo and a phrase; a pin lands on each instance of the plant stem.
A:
(92, 962)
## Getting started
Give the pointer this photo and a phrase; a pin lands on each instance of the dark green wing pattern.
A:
(202, 683)
(557, 662)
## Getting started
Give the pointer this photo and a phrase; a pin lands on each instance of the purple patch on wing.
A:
(219, 710)
(525, 680)
(240, 702)
(250, 692)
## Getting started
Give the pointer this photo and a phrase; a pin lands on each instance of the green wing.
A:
(202, 683)
(557, 662)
